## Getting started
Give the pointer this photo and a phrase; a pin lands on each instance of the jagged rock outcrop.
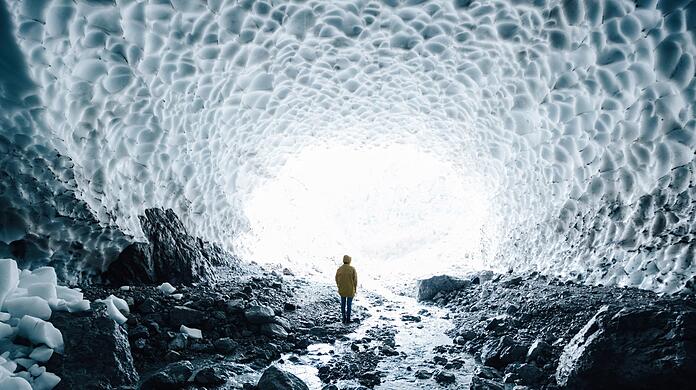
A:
(97, 352)
(632, 348)
(429, 288)
(171, 254)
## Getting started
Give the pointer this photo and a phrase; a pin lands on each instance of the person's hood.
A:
(346, 259)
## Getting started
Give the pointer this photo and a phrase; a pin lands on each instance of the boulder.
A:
(214, 376)
(485, 384)
(173, 376)
(444, 378)
(172, 254)
(276, 379)
(428, 288)
(501, 352)
(134, 265)
(636, 348)
(97, 352)
(182, 315)
(259, 314)
(273, 330)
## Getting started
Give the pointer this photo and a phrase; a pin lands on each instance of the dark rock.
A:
(289, 306)
(487, 373)
(539, 351)
(172, 356)
(525, 374)
(211, 376)
(443, 377)
(182, 315)
(636, 348)
(423, 374)
(275, 379)
(499, 353)
(330, 387)
(429, 288)
(225, 345)
(172, 255)
(259, 314)
(172, 376)
(149, 305)
(134, 265)
(485, 384)
(97, 352)
(274, 330)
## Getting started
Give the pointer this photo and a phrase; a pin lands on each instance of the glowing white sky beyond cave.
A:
(394, 208)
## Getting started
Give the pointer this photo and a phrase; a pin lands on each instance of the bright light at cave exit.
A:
(399, 211)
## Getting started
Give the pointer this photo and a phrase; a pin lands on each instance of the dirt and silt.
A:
(482, 331)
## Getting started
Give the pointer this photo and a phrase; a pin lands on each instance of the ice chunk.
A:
(14, 383)
(33, 306)
(36, 370)
(78, 306)
(41, 354)
(191, 332)
(46, 381)
(9, 277)
(41, 332)
(177, 296)
(124, 288)
(6, 331)
(113, 305)
(166, 288)
(46, 291)
(39, 275)
(24, 362)
(68, 294)
(4, 317)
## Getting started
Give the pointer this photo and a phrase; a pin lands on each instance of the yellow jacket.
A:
(346, 279)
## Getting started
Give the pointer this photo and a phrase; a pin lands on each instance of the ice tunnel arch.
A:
(582, 111)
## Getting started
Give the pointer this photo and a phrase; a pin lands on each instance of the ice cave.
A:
(511, 181)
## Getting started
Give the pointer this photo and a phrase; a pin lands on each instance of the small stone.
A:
(225, 345)
(444, 377)
(423, 374)
(211, 376)
(274, 330)
(259, 314)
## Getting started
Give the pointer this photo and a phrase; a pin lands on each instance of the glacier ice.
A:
(580, 114)
(31, 298)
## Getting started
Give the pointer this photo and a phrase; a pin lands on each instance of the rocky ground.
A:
(541, 333)
(231, 324)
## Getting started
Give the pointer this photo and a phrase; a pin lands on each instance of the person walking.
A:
(347, 282)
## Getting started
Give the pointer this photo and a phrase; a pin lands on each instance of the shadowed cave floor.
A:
(494, 332)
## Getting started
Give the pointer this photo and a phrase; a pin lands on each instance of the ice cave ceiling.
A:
(578, 115)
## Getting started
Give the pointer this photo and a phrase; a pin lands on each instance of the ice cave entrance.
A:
(402, 212)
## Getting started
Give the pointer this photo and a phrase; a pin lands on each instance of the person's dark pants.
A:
(346, 306)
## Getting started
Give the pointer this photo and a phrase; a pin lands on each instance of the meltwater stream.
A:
(418, 330)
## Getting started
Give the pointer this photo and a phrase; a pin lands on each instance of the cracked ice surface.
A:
(580, 114)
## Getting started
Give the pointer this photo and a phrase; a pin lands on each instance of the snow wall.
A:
(581, 113)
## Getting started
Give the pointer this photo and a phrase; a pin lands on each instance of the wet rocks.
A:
(638, 348)
(428, 288)
(259, 314)
(273, 330)
(423, 374)
(208, 376)
(92, 337)
(444, 377)
(501, 352)
(274, 378)
(182, 315)
(173, 376)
